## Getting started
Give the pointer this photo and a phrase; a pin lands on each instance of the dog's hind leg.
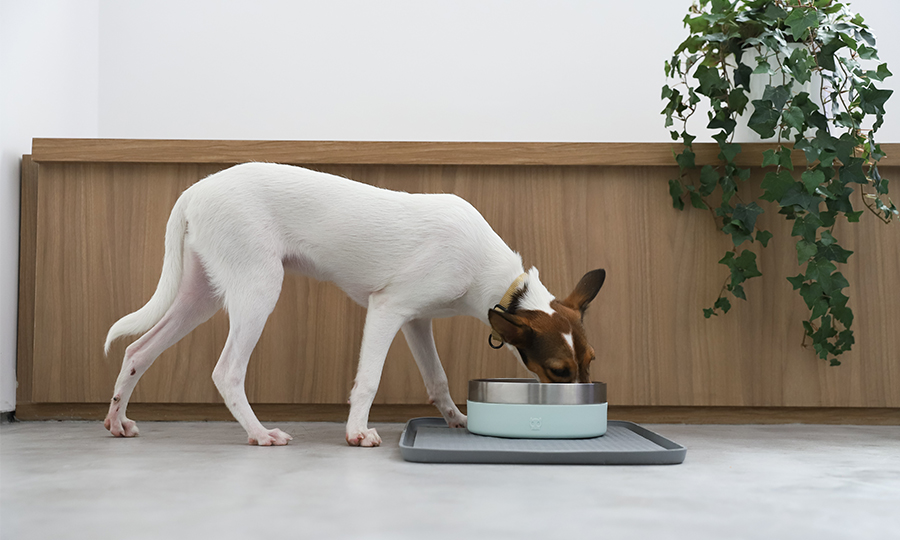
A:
(382, 324)
(420, 338)
(194, 304)
(250, 298)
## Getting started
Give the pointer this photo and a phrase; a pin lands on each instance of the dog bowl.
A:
(528, 409)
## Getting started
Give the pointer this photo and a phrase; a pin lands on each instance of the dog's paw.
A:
(121, 428)
(366, 437)
(454, 418)
(457, 421)
(272, 437)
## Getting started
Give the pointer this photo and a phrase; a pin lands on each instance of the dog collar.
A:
(504, 307)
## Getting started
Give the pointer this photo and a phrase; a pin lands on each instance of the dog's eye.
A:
(561, 373)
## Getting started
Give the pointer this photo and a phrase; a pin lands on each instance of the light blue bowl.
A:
(528, 409)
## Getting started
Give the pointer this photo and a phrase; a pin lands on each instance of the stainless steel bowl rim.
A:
(530, 391)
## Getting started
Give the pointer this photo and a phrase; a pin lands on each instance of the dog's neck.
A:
(519, 289)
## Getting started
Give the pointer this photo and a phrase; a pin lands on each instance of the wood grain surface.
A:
(393, 153)
(99, 231)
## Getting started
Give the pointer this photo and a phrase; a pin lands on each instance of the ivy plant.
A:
(819, 105)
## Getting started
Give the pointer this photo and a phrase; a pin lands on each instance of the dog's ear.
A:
(586, 290)
(512, 328)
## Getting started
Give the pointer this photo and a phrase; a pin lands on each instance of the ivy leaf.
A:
(807, 227)
(797, 196)
(763, 237)
(784, 158)
(812, 180)
(853, 217)
(811, 292)
(776, 185)
(709, 178)
(880, 74)
(769, 158)
(742, 76)
(852, 172)
(797, 281)
(737, 100)
(800, 20)
(685, 159)
(723, 304)
(764, 118)
(794, 118)
(676, 190)
(697, 201)
(872, 99)
(729, 151)
(778, 95)
(825, 56)
(747, 214)
(833, 252)
(805, 250)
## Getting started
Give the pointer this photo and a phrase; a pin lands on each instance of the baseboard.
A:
(269, 412)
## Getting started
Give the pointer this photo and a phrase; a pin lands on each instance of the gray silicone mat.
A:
(429, 440)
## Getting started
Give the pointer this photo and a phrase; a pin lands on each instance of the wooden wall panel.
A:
(99, 246)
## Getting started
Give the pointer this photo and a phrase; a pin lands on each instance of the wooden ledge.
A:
(269, 412)
(391, 153)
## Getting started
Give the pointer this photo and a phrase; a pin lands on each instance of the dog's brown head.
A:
(552, 343)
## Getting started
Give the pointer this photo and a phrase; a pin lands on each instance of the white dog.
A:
(407, 258)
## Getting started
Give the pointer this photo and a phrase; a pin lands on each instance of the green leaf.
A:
(723, 304)
(763, 237)
(778, 95)
(697, 201)
(676, 190)
(742, 76)
(709, 178)
(685, 159)
(794, 118)
(819, 308)
(872, 99)
(737, 100)
(784, 158)
(812, 180)
(769, 158)
(764, 118)
(880, 74)
(811, 292)
(807, 227)
(853, 217)
(747, 214)
(707, 312)
(729, 151)
(833, 252)
(852, 172)
(800, 20)
(797, 197)
(797, 281)
(825, 56)
(776, 185)
(805, 250)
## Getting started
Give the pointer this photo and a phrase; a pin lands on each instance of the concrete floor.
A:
(70, 480)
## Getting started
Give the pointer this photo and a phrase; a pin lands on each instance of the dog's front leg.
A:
(382, 324)
(420, 338)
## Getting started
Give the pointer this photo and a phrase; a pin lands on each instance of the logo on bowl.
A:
(535, 424)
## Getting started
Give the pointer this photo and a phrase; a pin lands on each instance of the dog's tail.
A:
(143, 319)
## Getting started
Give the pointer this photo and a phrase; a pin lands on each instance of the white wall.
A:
(479, 70)
(48, 88)
(518, 70)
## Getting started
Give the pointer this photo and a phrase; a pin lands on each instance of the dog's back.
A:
(361, 237)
